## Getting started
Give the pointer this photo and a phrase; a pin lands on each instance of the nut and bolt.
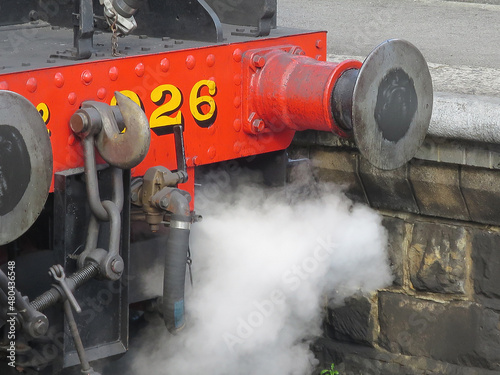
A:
(40, 327)
(298, 51)
(255, 124)
(258, 61)
(164, 202)
(258, 125)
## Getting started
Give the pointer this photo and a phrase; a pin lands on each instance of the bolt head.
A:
(87, 77)
(164, 202)
(117, 266)
(79, 122)
(299, 51)
(258, 125)
(40, 327)
(258, 61)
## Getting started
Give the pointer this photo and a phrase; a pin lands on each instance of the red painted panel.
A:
(181, 76)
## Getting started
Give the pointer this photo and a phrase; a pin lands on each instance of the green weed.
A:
(331, 371)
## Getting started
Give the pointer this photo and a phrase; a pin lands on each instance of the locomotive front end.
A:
(108, 108)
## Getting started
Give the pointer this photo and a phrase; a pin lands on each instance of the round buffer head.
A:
(392, 104)
(25, 165)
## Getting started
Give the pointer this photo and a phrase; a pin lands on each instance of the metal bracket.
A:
(259, 14)
(106, 302)
(83, 33)
(84, 29)
(194, 20)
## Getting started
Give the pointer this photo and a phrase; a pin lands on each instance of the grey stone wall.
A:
(442, 313)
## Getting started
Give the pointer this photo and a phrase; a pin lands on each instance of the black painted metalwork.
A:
(104, 318)
(194, 20)
(259, 14)
(179, 148)
(341, 100)
(83, 29)
(397, 104)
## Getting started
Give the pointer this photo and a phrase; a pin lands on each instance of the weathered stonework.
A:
(355, 360)
(481, 189)
(441, 315)
(437, 258)
(437, 190)
(486, 259)
(460, 333)
(388, 189)
(430, 188)
(395, 248)
(340, 168)
(352, 322)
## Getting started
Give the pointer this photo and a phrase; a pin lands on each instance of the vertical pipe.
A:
(176, 261)
(175, 277)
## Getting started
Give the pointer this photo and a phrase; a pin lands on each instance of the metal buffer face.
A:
(392, 104)
(25, 165)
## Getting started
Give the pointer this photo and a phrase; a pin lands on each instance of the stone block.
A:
(388, 189)
(486, 261)
(437, 190)
(396, 236)
(465, 334)
(481, 190)
(355, 360)
(438, 258)
(442, 150)
(352, 322)
(333, 140)
(356, 365)
(341, 168)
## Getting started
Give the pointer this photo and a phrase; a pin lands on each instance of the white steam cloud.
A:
(263, 262)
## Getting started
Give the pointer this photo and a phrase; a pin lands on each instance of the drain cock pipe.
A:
(176, 257)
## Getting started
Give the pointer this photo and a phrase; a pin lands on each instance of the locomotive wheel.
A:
(392, 104)
(25, 165)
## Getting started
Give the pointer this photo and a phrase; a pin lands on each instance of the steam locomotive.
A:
(107, 111)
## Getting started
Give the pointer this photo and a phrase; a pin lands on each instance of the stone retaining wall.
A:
(442, 313)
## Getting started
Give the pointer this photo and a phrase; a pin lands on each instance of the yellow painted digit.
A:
(167, 114)
(131, 95)
(44, 111)
(198, 103)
